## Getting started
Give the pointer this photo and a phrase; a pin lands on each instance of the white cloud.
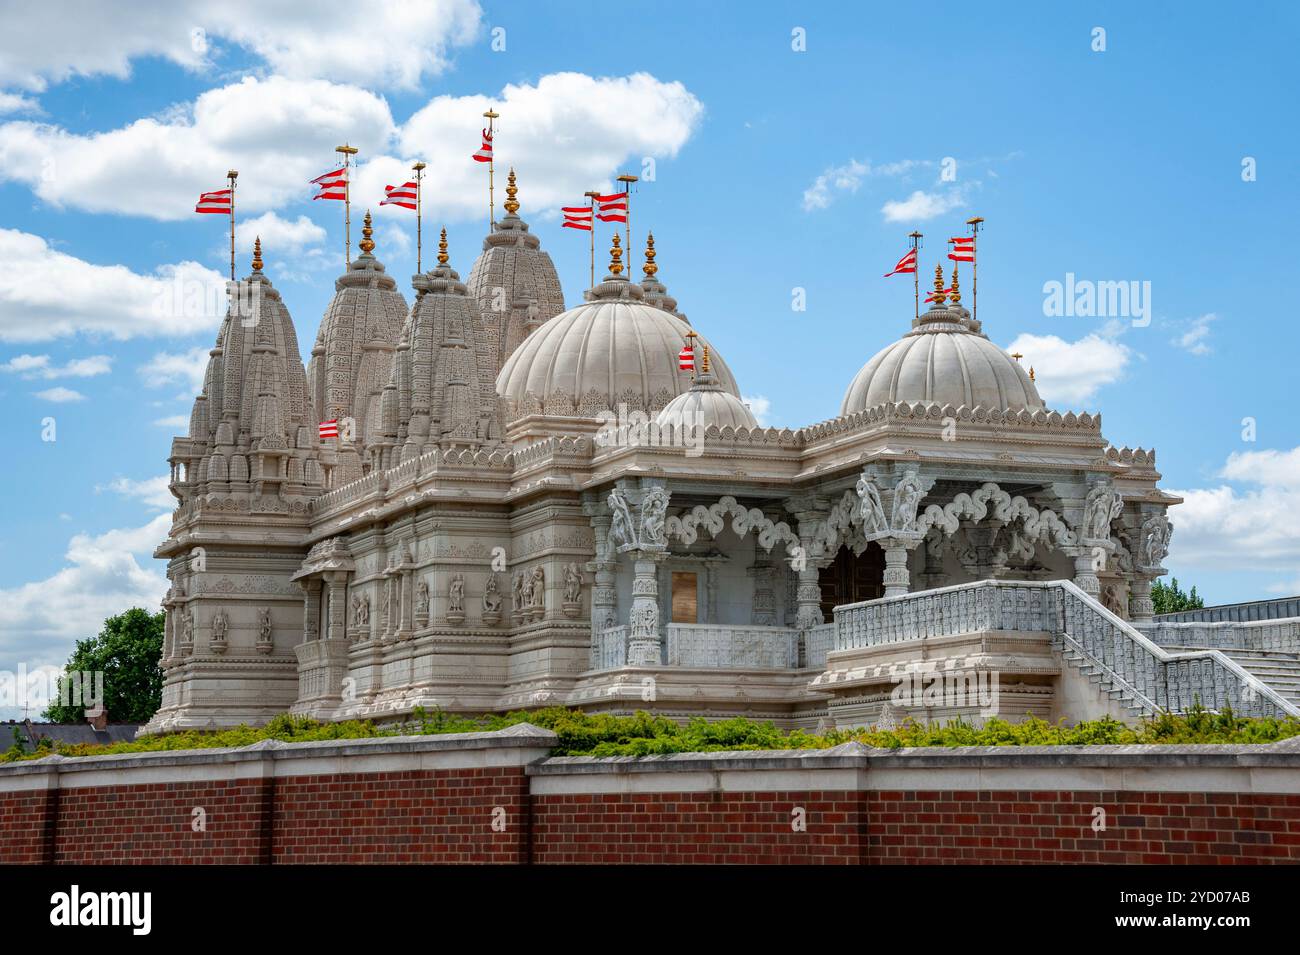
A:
(39, 621)
(1194, 339)
(38, 366)
(922, 205)
(567, 133)
(59, 395)
(176, 421)
(1270, 467)
(152, 491)
(379, 43)
(167, 368)
(282, 239)
(848, 177)
(14, 103)
(761, 408)
(1071, 372)
(46, 294)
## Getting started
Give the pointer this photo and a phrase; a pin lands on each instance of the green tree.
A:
(128, 651)
(1168, 598)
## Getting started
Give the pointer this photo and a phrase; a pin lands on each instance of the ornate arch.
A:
(1044, 525)
(713, 518)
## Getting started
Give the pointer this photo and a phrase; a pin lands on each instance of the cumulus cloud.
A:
(566, 133)
(1236, 524)
(152, 491)
(15, 103)
(1071, 373)
(279, 236)
(380, 43)
(59, 395)
(45, 294)
(39, 366)
(921, 205)
(167, 368)
(102, 576)
(175, 422)
(761, 408)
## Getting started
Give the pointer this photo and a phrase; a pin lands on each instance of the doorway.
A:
(851, 578)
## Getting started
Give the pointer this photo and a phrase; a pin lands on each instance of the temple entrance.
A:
(852, 577)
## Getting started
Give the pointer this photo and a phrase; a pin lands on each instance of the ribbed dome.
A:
(944, 360)
(613, 349)
(706, 405)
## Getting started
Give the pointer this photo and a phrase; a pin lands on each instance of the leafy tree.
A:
(1168, 598)
(128, 651)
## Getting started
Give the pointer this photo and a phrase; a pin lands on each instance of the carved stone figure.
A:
(620, 528)
(517, 592)
(654, 508)
(871, 508)
(1153, 543)
(422, 597)
(907, 495)
(1113, 600)
(265, 636)
(537, 588)
(572, 584)
(455, 595)
(1104, 504)
(491, 594)
(220, 624)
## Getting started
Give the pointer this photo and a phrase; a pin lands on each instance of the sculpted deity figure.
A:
(264, 625)
(907, 495)
(871, 508)
(572, 584)
(517, 592)
(654, 508)
(1153, 545)
(620, 529)
(455, 595)
(537, 588)
(421, 596)
(491, 594)
(220, 623)
(1103, 505)
(187, 626)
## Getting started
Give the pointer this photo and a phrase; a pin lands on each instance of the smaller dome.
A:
(706, 405)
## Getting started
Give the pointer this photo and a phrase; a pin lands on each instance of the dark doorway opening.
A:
(852, 577)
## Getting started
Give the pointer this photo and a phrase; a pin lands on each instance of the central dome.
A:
(943, 360)
(613, 349)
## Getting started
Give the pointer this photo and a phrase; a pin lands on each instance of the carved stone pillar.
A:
(1141, 610)
(810, 513)
(338, 606)
(1085, 574)
(898, 579)
(644, 646)
(311, 609)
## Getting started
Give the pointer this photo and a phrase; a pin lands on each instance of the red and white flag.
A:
(963, 248)
(403, 195)
(219, 202)
(906, 264)
(329, 429)
(332, 185)
(577, 217)
(686, 358)
(934, 296)
(484, 153)
(612, 208)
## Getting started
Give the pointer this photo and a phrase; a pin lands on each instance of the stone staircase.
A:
(1280, 671)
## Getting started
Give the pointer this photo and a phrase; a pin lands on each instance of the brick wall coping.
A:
(533, 740)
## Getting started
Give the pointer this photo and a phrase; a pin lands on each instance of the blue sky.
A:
(775, 169)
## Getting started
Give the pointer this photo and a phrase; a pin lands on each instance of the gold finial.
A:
(704, 361)
(512, 191)
(367, 244)
(257, 254)
(650, 268)
(616, 257)
(443, 257)
(1031, 372)
(1016, 355)
(956, 290)
(940, 296)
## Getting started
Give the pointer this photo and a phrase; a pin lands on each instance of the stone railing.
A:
(1276, 635)
(610, 649)
(820, 641)
(1281, 609)
(1147, 675)
(719, 645)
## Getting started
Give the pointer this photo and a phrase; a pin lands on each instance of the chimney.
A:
(98, 719)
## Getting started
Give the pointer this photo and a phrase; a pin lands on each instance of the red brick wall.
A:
(27, 826)
(711, 827)
(402, 817)
(1054, 826)
(155, 823)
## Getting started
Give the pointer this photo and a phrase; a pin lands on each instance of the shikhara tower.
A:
(474, 541)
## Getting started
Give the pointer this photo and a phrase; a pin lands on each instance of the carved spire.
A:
(704, 361)
(367, 243)
(1031, 372)
(940, 296)
(650, 268)
(443, 257)
(616, 257)
(512, 193)
(956, 290)
(257, 254)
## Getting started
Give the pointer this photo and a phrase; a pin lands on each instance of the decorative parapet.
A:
(911, 412)
(1280, 636)
(712, 645)
(1147, 675)
(1131, 457)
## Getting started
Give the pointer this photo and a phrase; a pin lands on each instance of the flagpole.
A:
(232, 175)
(419, 178)
(974, 224)
(916, 275)
(592, 196)
(627, 181)
(348, 152)
(492, 215)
